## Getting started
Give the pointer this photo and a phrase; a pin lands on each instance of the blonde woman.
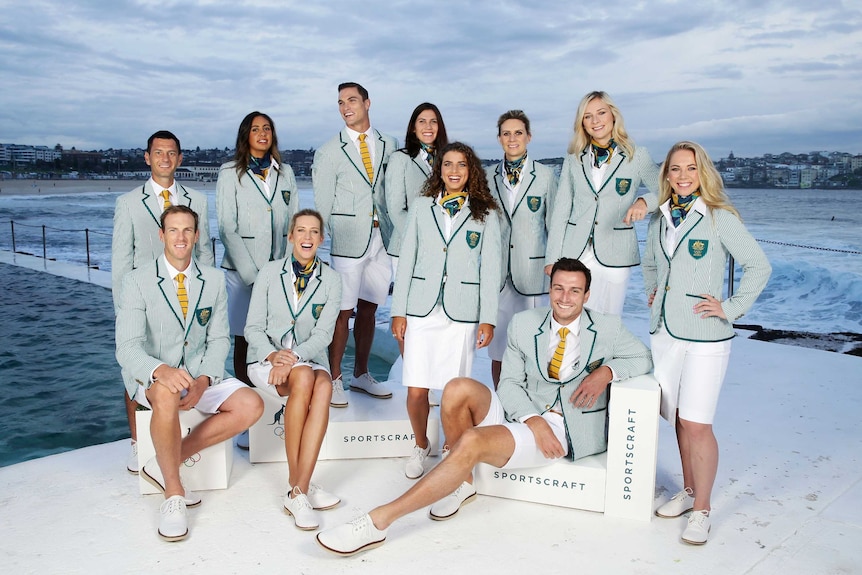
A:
(597, 201)
(688, 243)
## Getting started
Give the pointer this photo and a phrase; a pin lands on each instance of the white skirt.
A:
(437, 349)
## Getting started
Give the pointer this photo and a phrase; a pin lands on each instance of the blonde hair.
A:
(620, 136)
(711, 185)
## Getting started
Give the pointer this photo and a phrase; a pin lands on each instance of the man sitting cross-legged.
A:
(551, 403)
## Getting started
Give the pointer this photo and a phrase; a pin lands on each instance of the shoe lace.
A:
(683, 494)
(359, 524)
(300, 500)
(338, 384)
(370, 378)
(173, 505)
(418, 453)
(698, 518)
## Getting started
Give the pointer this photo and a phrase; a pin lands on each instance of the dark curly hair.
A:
(481, 200)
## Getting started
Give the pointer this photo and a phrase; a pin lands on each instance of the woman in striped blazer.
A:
(597, 201)
(689, 240)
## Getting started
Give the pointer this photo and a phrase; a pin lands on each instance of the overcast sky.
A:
(751, 76)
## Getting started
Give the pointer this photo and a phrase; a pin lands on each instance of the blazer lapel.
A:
(527, 178)
(587, 335)
(691, 221)
(422, 165)
(541, 340)
(615, 164)
(352, 154)
(196, 292)
(151, 204)
(500, 189)
(379, 154)
(166, 285)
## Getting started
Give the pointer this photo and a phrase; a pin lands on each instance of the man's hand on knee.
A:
(546, 441)
(196, 390)
(175, 379)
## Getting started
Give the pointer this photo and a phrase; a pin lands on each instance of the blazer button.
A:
(293, 322)
(596, 222)
(185, 343)
(511, 246)
(547, 407)
(666, 288)
(444, 248)
(371, 214)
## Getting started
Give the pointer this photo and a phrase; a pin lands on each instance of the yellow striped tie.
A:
(366, 157)
(166, 194)
(182, 294)
(557, 359)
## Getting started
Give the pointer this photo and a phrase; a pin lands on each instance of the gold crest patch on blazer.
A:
(534, 203)
(285, 194)
(593, 366)
(316, 310)
(698, 248)
(203, 315)
(623, 185)
(473, 238)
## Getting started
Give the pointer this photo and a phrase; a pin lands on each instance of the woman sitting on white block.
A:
(291, 318)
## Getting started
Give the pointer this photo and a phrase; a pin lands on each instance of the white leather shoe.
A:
(447, 507)
(303, 514)
(321, 500)
(351, 538)
(153, 474)
(173, 523)
(367, 384)
(680, 503)
(339, 398)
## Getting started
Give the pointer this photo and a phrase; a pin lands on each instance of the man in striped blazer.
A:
(348, 175)
(172, 342)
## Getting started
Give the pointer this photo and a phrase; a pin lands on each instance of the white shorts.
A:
(258, 373)
(608, 286)
(211, 399)
(690, 375)
(511, 302)
(365, 278)
(526, 453)
(437, 349)
(238, 296)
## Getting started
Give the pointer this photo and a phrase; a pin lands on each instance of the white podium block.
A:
(209, 469)
(633, 448)
(577, 484)
(619, 482)
(366, 428)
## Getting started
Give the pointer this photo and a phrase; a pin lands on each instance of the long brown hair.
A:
(243, 149)
(481, 200)
(411, 141)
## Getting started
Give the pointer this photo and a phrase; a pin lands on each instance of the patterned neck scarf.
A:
(429, 149)
(453, 203)
(680, 206)
(603, 155)
(260, 167)
(302, 273)
(513, 169)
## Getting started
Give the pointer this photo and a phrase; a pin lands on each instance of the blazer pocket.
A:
(623, 228)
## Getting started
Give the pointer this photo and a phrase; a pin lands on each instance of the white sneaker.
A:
(447, 507)
(132, 461)
(303, 514)
(697, 531)
(321, 500)
(367, 384)
(173, 524)
(242, 440)
(339, 398)
(433, 400)
(153, 474)
(415, 467)
(351, 538)
(680, 503)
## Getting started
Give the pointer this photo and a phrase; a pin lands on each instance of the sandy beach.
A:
(17, 187)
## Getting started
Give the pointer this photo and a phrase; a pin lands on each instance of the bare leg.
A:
(418, 409)
(236, 414)
(363, 335)
(165, 433)
(339, 342)
(493, 445)
(131, 407)
(316, 421)
(698, 451)
(496, 370)
(240, 352)
(464, 405)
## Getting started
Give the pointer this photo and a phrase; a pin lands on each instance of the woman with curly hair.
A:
(256, 195)
(689, 239)
(444, 305)
(597, 201)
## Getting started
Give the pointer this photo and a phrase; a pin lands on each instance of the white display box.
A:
(366, 428)
(209, 469)
(619, 482)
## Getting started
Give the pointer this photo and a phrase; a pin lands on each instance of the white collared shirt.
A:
(597, 175)
(157, 190)
(175, 272)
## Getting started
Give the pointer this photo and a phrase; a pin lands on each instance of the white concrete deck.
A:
(787, 500)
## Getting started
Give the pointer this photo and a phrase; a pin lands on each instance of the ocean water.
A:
(60, 385)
